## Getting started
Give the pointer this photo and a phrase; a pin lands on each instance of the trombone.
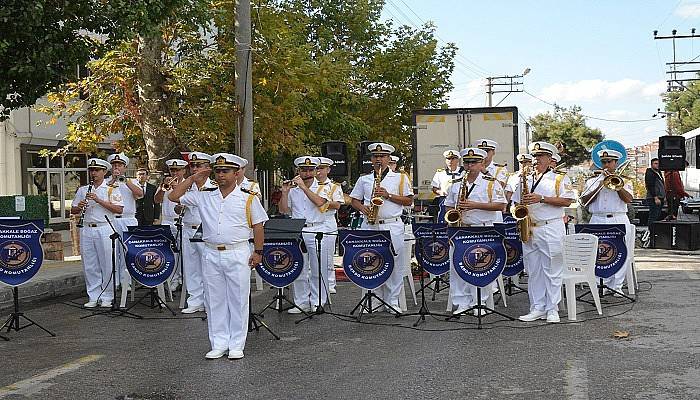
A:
(612, 180)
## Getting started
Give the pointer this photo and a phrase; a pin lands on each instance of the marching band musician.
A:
(397, 193)
(130, 191)
(193, 252)
(249, 184)
(525, 160)
(177, 169)
(335, 199)
(549, 193)
(484, 204)
(608, 206)
(95, 203)
(228, 214)
(443, 179)
(308, 201)
(497, 171)
(556, 159)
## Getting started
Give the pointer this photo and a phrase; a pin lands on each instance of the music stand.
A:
(282, 229)
(423, 311)
(13, 321)
(114, 310)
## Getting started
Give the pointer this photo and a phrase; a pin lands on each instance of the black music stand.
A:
(114, 310)
(423, 311)
(282, 229)
(13, 321)
(481, 310)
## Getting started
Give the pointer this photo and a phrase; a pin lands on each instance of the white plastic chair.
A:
(579, 253)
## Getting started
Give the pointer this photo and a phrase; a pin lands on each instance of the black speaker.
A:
(672, 153)
(676, 235)
(364, 162)
(338, 152)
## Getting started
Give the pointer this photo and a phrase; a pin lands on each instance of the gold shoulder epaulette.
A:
(560, 172)
(440, 170)
(253, 192)
(457, 180)
(489, 177)
(501, 165)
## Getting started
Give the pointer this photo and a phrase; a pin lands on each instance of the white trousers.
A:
(544, 265)
(616, 281)
(121, 225)
(331, 240)
(192, 258)
(306, 286)
(96, 254)
(226, 289)
(390, 290)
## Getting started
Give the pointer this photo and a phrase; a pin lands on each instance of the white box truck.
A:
(435, 131)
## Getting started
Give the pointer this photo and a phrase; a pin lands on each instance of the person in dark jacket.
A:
(656, 191)
(146, 210)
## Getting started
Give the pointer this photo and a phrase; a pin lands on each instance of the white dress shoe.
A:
(90, 304)
(533, 316)
(331, 291)
(214, 354)
(235, 355)
(553, 317)
(483, 312)
(106, 304)
(460, 310)
(394, 309)
(192, 310)
(295, 310)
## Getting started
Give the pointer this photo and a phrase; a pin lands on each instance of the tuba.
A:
(521, 212)
(375, 202)
(453, 217)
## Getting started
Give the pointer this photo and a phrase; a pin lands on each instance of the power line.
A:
(592, 117)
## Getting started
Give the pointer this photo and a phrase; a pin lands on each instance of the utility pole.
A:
(244, 83)
(504, 84)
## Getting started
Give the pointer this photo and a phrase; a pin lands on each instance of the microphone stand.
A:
(183, 289)
(114, 310)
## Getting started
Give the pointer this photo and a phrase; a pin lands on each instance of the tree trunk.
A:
(156, 103)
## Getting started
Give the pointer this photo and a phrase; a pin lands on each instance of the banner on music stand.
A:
(432, 247)
(514, 248)
(612, 251)
(21, 252)
(282, 262)
(368, 258)
(150, 258)
(478, 253)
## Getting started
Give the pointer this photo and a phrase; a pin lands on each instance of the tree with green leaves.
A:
(322, 70)
(566, 128)
(683, 108)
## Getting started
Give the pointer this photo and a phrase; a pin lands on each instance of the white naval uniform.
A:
(306, 286)
(513, 181)
(123, 221)
(193, 252)
(168, 217)
(498, 172)
(388, 219)
(608, 208)
(226, 228)
(335, 193)
(462, 293)
(251, 186)
(95, 244)
(444, 176)
(542, 254)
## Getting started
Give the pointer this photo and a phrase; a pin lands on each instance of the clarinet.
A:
(82, 211)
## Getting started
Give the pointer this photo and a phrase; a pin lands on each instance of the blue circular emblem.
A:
(368, 262)
(279, 260)
(512, 253)
(435, 252)
(150, 261)
(607, 253)
(479, 258)
(14, 255)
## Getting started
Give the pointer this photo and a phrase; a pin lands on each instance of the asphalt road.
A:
(329, 357)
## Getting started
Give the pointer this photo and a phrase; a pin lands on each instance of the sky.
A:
(600, 55)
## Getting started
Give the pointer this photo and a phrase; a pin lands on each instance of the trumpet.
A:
(168, 183)
(290, 182)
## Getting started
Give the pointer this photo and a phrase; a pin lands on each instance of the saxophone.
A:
(376, 201)
(453, 217)
(521, 213)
